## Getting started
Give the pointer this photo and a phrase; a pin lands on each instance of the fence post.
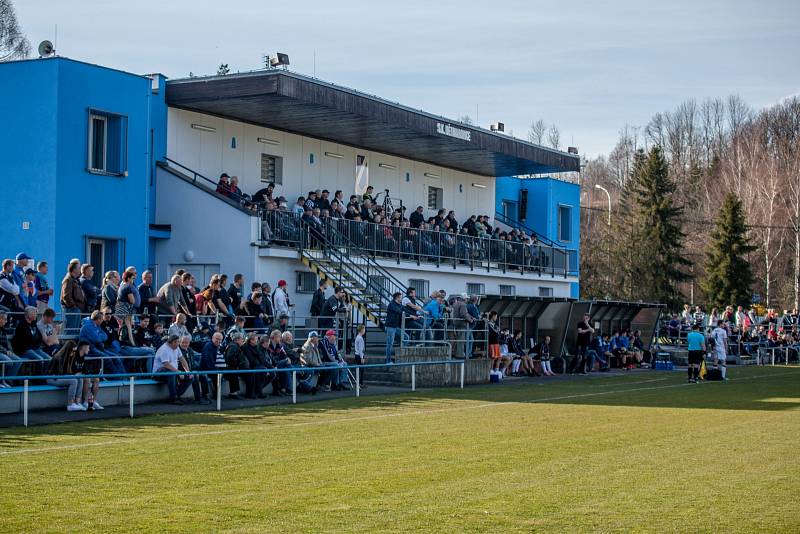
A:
(463, 365)
(25, 402)
(294, 387)
(358, 381)
(219, 391)
(130, 397)
(413, 378)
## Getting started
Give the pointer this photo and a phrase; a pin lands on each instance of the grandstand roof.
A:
(295, 103)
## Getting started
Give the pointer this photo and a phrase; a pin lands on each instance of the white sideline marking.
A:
(364, 418)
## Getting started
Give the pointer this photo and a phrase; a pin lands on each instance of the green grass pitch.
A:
(641, 452)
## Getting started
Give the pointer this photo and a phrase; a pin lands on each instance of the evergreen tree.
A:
(728, 273)
(653, 240)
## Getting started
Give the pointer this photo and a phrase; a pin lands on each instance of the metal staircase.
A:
(334, 257)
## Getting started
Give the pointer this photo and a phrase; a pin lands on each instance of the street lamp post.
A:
(608, 267)
(608, 195)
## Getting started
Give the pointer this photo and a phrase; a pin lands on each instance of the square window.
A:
(306, 282)
(476, 289)
(422, 286)
(507, 290)
(545, 291)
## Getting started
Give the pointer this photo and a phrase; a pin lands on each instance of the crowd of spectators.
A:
(386, 230)
(747, 331)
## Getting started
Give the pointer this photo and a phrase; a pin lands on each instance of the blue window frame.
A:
(564, 223)
(108, 143)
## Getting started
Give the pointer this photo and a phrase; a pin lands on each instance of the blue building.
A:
(547, 207)
(78, 165)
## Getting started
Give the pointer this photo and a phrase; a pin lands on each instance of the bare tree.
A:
(466, 119)
(554, 136)
(537, 132)
(223, 69)
(13, 44)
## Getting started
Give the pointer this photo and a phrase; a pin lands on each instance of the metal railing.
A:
(401, 242)
(218, 374)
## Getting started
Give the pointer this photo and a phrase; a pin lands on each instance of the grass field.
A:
(640, 452)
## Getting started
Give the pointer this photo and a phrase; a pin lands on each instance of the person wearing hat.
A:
(310, 352)
(20, 268)
(167, 360)
(336, 379)
(280, 299)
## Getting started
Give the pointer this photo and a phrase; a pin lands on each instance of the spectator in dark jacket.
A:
(235, 360)
(393, 322)
(333, 305)
(318, 300)
(27, 341)
(254, 382)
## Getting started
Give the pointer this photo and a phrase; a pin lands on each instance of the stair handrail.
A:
(332, 240)
(508, 221)
(353, 247)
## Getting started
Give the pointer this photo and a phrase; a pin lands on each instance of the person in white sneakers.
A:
(67, 361)
(720, 337)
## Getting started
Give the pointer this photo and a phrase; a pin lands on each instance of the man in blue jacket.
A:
(96, 337)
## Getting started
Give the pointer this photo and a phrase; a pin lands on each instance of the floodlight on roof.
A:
(278, 60)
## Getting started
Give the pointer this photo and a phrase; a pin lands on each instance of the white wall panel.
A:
(211, 154)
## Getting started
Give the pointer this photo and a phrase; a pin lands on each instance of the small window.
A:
(565, 223)
(272, 169)
(435, 199)
(423, 287)
(306, 282)
(545, 291)
(507, 291)
(108, 143)
(476, 289)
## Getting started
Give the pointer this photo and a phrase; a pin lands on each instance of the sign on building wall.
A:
(452, 131)
(362, 175)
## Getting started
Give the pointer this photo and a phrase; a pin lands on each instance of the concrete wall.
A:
(211, 153)
(205, 230)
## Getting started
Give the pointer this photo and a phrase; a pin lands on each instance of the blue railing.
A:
(219, 373)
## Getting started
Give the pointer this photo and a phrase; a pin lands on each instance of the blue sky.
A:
(590, 67)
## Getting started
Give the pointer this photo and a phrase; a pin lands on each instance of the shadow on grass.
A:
(767, 389)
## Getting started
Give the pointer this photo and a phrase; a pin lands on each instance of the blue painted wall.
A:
(43, 161)
(545, 195)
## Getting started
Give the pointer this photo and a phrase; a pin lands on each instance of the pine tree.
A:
(653, 240)
(728, 273)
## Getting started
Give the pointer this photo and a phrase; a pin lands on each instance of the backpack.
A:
(713, 375)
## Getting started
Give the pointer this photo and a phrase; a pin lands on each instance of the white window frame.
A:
(93, 117)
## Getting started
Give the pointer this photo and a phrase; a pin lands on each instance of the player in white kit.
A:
(720, 337)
